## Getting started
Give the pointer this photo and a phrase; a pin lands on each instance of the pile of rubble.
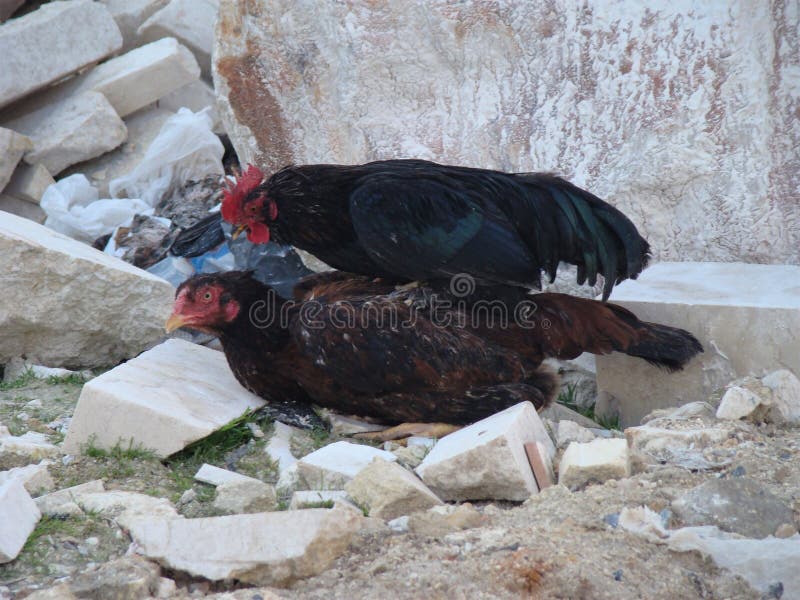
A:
(179, 392)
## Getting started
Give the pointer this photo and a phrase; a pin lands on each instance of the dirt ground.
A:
(555, 545)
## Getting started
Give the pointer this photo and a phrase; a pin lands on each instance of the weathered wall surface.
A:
(685, 116)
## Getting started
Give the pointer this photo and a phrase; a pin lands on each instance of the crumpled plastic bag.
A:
(186, 148)
(73, 208)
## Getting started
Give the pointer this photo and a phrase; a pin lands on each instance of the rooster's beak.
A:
(238, 231)
(174, 322)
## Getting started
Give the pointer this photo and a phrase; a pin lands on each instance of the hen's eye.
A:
(251, 208)
(207, 296)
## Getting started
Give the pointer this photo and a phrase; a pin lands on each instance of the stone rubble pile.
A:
(345, 489)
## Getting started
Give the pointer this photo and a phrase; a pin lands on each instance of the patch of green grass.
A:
(71, 379)
(320, 504)
(213, 448)
(319, 437)
(71, 526)
(24, 379)
(567, 398)
(119, 452)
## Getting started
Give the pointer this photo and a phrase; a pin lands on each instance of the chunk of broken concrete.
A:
(191, 22)
(246, 496)
(739, 505)
(31, 445)
(78, 33)
(35, 478)
(75, 129)
(487, 460)
(570, 431)
(216, 476)
(739, 402)
(124, 578)
(129, 15)
(13, 146)
(387, 491)
(67, 304)
(264, 548)
(18, 517)
(332, 466)
(693, 447)
(126, 508)
(742, 328)
(593, 462)
(29, 183)
(21, 208)
(163, 400)
(785, 388)
(63, 502)
(762, 563)
(441, 520)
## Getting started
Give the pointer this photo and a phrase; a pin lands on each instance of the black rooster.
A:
(413, 220)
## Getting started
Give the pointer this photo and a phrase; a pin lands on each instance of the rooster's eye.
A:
(251, 208)
(207, 296)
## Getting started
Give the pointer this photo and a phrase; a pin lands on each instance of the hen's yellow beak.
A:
(174, 322)
(238, 231)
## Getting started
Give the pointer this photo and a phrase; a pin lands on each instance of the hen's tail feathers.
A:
(569, 326)
(667, 347)
(576, 226)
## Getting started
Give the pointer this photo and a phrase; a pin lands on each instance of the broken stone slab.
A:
(21, 208)
(18, 518)
(487, 460)
(785, 397)
(764, 564)
(341, 425)
(694, 447)
(143, 127)
(130, 82)
(410, 456)
(70, 305)
(57, 592)
(279, 446)
(557, 412)
(570, 431)
(35, 478)
(78, 33)
(13, 146)
(217, 476)
(387, 491)
(593, 462)
(124, 578)
(162, 400)
(73, 130)
(237, 497)
(642, 521)
(317, 499)
(693, 410)
(438, 521)
(263, 548)
(739, 505)
(126, 508)
(739, 402)
(332, 466)
(129, 15)
(63, 503)
(29, 182)
(191, 22)
(17, 367)
(743, 328)
(32, 445)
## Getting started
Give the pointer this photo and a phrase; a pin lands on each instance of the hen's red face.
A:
(243, 205)
(206, 307)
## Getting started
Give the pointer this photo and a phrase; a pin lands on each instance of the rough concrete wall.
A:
(685, 115)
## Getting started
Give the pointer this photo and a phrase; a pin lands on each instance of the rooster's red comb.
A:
(234, 193)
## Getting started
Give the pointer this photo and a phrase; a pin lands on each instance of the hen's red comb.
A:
(233, 194)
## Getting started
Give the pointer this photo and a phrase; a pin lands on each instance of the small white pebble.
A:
(35, 403)
(67, 459)
(23, 416)
(255, 430)
(92, 541)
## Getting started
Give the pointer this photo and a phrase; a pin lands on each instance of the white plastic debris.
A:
(74, 209)
(186, 148)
